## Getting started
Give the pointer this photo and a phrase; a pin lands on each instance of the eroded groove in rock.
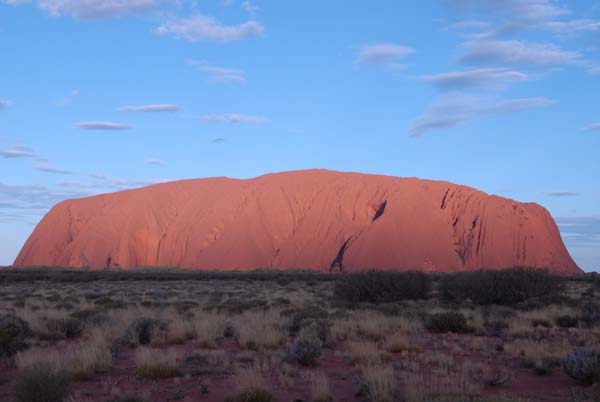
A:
(380, 210)
(338, 263)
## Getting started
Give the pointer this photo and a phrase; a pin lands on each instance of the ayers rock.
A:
(316, 219)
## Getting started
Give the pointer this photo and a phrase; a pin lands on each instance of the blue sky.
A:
(103, 95)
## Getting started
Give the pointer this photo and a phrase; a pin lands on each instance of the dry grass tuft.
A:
(380, 383)
(363, 352)
(156, 363)
(251, 385)
(320, 390)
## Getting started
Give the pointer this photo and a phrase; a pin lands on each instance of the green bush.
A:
(143, 330)
(41, 384)
(382, 286)
(583, 365)
(13, 334)
(63, 328)
(448, 322)
(504, 287)
(305, 350)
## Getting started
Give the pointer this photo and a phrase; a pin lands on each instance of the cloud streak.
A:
(18, 151)
(102, 125)
(454, 111)
(4, 103)
(592, 127)
(514, 52)
(491, 78)
(100, 9)
(219, 74)
(233, 118)
(383, 53)
(155, 162)
(199, 27)
(150, 108)
(53, 170)
(562, 194)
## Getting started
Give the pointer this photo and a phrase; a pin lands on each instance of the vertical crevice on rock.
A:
(443, 206)
(338, 263)
(380, 210)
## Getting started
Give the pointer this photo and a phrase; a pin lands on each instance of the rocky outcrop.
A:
(314, 219)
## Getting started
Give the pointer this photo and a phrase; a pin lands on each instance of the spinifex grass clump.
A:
(382, 287)
(251, 385)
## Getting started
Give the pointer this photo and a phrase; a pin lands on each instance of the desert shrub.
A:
(583, 365)
(447, 322)
(382, 287)
(13, 335)
(41, 383)
(63, 328)
(544, 366)
(251, 386)
(304, 316)
(504, 287)
(539, 322)
(590, 314)
(306, 348)
(143, 330)
(567, 321)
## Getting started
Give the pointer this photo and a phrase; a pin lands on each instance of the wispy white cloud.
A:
(102, 125)
(249, 7)
(151, 108)
(4, 103)
(511, 16)
(452, 111)
(220, 74)
(51, 169)
(97, 9)
(18, 151)
(199, 27)
(514, 52)
(592, 127)
(98, 182)
(562, 193)
(533, 10)
(580, 231)
(383, 53)
(67, 101)
(489, 78)
(233, 118)
(156, 162)
(594, 70)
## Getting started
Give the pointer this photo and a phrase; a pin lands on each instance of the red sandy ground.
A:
(343, 377)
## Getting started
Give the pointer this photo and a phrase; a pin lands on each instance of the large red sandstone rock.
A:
(313, 219)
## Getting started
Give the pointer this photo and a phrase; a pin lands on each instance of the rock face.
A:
(314, 219)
